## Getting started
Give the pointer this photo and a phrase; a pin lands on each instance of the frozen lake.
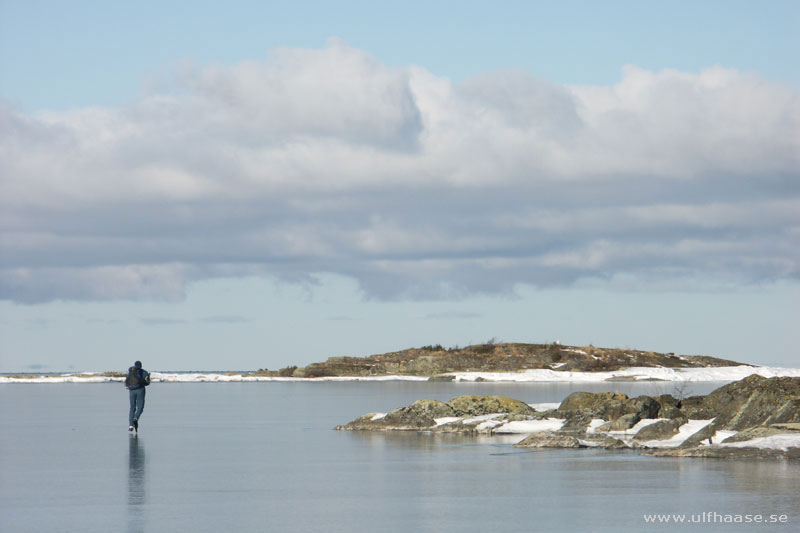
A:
(263, 456)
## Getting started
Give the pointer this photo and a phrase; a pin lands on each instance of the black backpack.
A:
(134, 378)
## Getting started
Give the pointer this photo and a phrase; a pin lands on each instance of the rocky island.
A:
(436, 362)
(753, 417)
(490, 361)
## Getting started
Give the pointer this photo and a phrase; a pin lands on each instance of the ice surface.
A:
(545, 406)
(725, 373)
(181, 377)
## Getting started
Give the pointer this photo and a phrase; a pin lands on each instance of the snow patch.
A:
(488, 424)
(530, 426)
(482, 418)
(782, 441)
(719, 436)
(446, 420)
(594, 424)
(685, 431)
(643, 423)
(378, 416)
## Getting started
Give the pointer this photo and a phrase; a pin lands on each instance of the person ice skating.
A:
(136, 381)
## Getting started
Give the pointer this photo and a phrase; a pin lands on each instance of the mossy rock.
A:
(697, 408)
(549, 439)
(486, 405)
(788, 413)
(606, 441)
(668, 400)
(431, 408)
(610, 405)
(751, 402)
(754, 401)
(644, 406)
(591, 401)
(576, 422)
(661, 430)
(671, 413)
(418, 415)
(624, 423)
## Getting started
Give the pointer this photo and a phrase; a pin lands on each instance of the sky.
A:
(209, 186)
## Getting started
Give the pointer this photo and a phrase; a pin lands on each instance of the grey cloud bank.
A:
(328, 161)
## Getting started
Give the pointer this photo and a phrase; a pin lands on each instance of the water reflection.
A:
(422, 440)
(137, 495)
(773, 476)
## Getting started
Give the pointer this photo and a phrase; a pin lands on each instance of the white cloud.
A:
(328, 161)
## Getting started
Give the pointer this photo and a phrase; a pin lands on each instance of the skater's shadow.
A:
(136, 484)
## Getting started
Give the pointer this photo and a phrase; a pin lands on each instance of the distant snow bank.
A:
(180, 377)
(724, 373)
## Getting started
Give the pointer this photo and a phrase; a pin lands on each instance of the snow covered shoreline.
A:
(751, 417)
(633, 374)
(721, 373)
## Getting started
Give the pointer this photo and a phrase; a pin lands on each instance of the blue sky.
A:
(61, 55)
(255, 184)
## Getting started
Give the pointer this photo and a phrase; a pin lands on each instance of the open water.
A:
(264, 457)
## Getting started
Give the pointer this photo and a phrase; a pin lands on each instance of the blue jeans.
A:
(137, 404)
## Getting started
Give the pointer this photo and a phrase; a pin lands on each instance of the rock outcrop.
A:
(661, 430)
(748, 412)
(623, 423)
(723, 452)
(486, 405)
(551, 439)
(436, 362)
(423, 415)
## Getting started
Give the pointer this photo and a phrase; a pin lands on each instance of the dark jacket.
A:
(137, 378)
